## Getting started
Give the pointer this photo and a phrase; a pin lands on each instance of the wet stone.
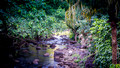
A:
(61, 64)
(46, 55)
(32, 45)
(38, 48)
(51, 67)
(16, 61)
(68, 63)
(45, 45)
(58, 53)
(44, 48)
(25, 51)
(35, 61)
(52, 46)
(73, 42)
(57, 59)
(84, 47)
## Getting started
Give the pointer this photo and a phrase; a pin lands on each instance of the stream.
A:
(38, 56)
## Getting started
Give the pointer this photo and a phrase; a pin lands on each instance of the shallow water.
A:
(44, 62)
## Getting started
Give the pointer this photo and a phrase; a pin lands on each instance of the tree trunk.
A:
(75, 36)
(112, 12)
(114, 42)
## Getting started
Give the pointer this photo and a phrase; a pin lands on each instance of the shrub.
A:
(102, 42)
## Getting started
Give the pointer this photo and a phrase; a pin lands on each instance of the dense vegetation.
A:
(102, 42)
(31, 19)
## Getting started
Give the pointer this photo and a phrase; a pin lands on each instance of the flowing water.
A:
(27, 60)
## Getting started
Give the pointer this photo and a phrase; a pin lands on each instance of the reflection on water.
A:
(44, 62)
(39, 54)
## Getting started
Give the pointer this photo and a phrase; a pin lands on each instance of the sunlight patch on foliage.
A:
(67, 32)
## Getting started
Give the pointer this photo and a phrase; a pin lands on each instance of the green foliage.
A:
(115, 66)
(118, 33)
(60, 26)
(84, 26)
(77, 60)
(112, 66)
(60, 14)
(78, 20)
(102, 42)
(32, 18)
(72, 35)
(31, 25)
(82, 65)
(76, 55)
(57, 3)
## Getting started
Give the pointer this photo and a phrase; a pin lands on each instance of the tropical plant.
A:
(102, 42)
